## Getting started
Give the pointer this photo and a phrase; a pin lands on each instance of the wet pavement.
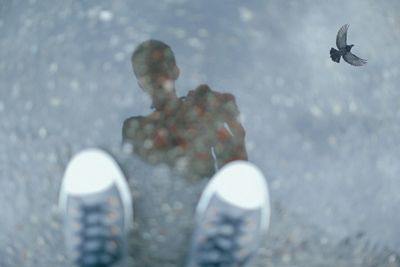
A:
(326, 135)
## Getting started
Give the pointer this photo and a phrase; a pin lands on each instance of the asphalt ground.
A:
(325, 135)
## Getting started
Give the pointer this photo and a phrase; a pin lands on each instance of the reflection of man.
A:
(196, 134)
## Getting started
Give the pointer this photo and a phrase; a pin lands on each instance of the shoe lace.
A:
(221, 246)
(97, 246)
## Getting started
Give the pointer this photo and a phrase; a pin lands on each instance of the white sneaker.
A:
(231, 218)
(97, 208)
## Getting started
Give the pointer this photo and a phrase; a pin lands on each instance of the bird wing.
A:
(354, 60)
(341, 38)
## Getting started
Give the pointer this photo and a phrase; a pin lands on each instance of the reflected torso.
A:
(197, 136)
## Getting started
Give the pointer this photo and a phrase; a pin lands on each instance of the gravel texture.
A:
(326, 135)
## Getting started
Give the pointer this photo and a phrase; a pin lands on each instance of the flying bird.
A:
(344, 49)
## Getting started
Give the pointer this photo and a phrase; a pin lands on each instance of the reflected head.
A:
(154, 59)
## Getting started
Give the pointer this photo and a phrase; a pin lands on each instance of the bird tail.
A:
(335, 55)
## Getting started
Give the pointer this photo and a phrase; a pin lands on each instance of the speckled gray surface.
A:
(327, 136)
